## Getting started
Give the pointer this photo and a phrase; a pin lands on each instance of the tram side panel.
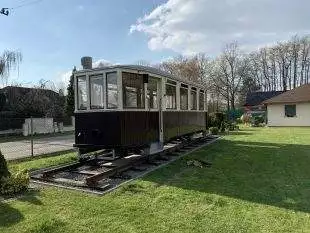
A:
(139, 128)
(183, 123)
(104, 130)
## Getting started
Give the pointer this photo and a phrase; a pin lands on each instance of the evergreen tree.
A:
(2, 101)
(70, 95)
(4, 171)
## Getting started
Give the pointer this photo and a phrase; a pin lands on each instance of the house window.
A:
(112, 90)
(290, 110)
(96, 91)
(133, 90)
(82, 93)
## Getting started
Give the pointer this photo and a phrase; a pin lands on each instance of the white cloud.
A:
(65, 77)
(191, 26)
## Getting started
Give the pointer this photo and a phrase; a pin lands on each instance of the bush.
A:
(239, 121)
(214, 130)
(4, 171)
(14, 184)
(223, 126)
(216, 119)
(233, 115)
(258, 121)
(11, 120)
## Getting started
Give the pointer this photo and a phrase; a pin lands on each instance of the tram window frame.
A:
(80, 105)
(152, 104)
(193, 102)
(130, 88)
(91, 91)
(173, 84)
(113, 89)
(184, 88)
(201, 97)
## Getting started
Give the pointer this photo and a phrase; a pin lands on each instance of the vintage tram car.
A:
(129, 106)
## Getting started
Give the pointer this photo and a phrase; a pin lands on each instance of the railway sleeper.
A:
(138, 169)
(120, 166)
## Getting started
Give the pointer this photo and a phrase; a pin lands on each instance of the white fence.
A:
(39, 126)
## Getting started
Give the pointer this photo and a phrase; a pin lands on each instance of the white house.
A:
(291, 108)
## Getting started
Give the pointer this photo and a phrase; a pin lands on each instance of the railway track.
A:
(101, 173)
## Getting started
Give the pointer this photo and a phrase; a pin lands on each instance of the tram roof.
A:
(147, 69)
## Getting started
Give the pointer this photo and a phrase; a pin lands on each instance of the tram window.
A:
(96, 92)
(82, 93)
(193, 99)
(171, 97)
(201, 100)
(112, 90)
(184, 97)
(171, 82)
(152, 93)
(133, 90)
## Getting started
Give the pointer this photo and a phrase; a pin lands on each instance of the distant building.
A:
(24, 100)
(291, 108)
(254, 101)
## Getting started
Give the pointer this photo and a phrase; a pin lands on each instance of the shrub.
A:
(239, 121)
(14, 184)
(4, 171)
(258, 121)
(214, 130)
(223, 126)
(232, 126)
(216, 119)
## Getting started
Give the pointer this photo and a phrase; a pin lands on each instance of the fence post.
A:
(31, 135)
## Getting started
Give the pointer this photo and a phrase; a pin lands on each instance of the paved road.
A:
(21, 149)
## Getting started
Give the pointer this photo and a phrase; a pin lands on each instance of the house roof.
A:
(256, 98)
(297, 95)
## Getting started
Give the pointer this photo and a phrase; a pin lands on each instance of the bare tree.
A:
(227, 76)
(232, 74)
(8, 61)
(143, 63)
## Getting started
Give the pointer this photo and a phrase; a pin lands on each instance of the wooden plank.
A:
(119, 166)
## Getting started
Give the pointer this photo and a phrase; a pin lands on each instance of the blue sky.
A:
(53, 34)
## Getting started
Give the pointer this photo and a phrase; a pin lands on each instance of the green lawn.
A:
(44, 161)
(259, 182)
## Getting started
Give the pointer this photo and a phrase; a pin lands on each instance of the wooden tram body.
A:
(121, 107)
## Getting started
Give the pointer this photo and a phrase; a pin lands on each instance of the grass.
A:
(36, 163)
(259, 182)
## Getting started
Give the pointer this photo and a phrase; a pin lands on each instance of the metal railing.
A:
(27, 137)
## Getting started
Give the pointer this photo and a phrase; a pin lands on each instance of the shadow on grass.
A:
(264, 173)
(9, 215)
